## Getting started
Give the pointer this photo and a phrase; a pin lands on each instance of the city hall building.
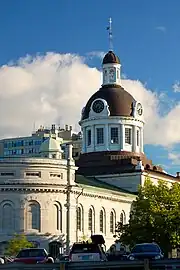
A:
(51, 197)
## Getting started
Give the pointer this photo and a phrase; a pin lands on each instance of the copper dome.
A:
(111, 58)
(120, 102)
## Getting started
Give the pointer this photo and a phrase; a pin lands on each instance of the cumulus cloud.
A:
(44, 89)
(174, 158)
(176, 87)
(97, 54)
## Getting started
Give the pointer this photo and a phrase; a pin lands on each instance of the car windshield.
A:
(26, 253)
(145, 248)
(85, 248)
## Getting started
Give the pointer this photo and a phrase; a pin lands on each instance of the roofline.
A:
(167, 175)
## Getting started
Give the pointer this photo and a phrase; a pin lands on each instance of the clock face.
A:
(98, 106)
(139, 109)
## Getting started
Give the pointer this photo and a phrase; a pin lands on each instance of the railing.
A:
(123, 265)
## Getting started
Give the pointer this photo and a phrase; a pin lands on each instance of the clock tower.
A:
(112, 123)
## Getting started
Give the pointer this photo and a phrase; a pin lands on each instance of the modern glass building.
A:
(29, 146)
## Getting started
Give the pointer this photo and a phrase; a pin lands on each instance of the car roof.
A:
(142, 244)
(32, 248)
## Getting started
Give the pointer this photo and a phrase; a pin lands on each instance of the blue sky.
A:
(146, 38)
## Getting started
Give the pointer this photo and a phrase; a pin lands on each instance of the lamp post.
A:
(68, 196)
(77, 212)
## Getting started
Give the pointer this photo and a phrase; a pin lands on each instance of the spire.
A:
(109, 28)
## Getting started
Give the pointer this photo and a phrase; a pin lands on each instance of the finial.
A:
(109, 28)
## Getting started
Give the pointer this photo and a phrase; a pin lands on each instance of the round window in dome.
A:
(98, 106)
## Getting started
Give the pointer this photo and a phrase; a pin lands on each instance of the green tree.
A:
(18, 242)
(155, 216)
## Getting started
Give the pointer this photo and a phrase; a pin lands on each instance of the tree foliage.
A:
(155, 216)
(18, 242)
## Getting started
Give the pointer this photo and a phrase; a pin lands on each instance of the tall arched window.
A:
(58, 216)
(33, 216)
(79, 216)
(102, 221)
(123, 217)
(91, 220)
(7, 217)
(112, 221)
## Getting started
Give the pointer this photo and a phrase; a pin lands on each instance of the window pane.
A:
(90, 220)
(79, 218)
(89, 137)
(114, 135)
(112, 222)
(100, 135)
(128, 135)
(34, 216)
(101, 221)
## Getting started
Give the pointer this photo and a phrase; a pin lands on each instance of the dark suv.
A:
(146, 251)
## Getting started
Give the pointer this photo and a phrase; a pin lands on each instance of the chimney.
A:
(66, 127)
(53, 127)
(69, 151)
(70, 127)
(178, 174)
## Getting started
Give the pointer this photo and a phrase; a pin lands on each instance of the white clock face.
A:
(139, 109)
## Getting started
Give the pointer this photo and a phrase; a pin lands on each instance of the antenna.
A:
(34, 126)
(109, 28)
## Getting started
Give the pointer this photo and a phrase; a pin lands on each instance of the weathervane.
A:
(109, 28)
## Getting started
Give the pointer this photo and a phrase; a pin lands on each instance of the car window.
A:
(85, 249)
(31, 253)
(145, 248)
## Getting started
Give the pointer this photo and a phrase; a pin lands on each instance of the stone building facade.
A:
(52, 197)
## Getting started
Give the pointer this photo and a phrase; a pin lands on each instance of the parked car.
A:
(87, 252)
(145, 251)
(33, 256)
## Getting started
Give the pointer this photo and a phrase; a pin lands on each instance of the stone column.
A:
(122, 137)
(141, 140)
(134, 138)
(93, 138)
(83, 140)
(106, 136)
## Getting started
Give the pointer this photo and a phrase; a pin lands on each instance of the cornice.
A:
(62, 190)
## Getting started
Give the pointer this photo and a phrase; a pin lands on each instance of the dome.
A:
(120, 102)
(111, 58)
(50, 145)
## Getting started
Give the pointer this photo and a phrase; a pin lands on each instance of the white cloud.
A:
(176, 86)
(44, 89)
(175, 158)
(161, 28)
(97, 54)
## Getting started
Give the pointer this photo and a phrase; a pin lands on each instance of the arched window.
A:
(112, 221)
(58, 216)
(123, 217)
(102, 221)
(7, 217)
(33, 216)
(79, 216)
(91, 221)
